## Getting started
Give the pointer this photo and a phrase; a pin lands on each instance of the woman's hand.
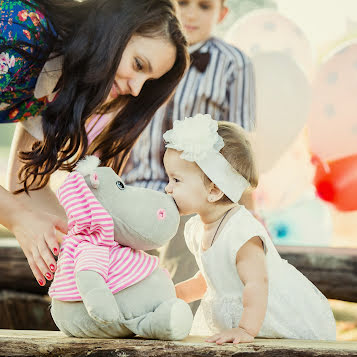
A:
(234, 335)
(36, 234)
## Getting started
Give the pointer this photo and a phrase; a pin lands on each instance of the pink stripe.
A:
(90, 244)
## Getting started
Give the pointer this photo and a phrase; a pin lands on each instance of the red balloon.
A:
(336, 182)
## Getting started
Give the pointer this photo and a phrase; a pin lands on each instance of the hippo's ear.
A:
(94, 180)
(87, 165)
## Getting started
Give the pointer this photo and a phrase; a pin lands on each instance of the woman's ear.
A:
(214, 193)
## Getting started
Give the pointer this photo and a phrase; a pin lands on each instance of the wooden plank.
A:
(332, 270)
(15, 273)
(24, 311)
(51, 343)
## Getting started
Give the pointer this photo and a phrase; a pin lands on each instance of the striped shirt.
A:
(90, 245)
(225, 91)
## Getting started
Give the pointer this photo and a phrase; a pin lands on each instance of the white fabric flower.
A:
(195, 136)
(6, 62)
(4, 105)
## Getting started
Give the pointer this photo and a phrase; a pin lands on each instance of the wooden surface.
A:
(51, 343)
(332, 270)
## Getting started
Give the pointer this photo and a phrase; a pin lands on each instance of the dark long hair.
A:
(92, 36)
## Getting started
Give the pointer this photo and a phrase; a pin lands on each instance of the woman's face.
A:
(143, 59)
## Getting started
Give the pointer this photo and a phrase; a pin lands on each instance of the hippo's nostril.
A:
(161, 214)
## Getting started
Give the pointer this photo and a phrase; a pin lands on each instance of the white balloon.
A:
(282, 104)
(286, 182)
(266, 30)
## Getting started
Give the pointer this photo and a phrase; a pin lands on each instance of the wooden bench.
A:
(332, 270)
(51, 343)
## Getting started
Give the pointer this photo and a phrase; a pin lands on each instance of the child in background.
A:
(219, 82)
(247, 290)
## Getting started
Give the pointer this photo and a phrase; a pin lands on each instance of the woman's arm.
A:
(192, 289)
(33, 218)
(251, 267)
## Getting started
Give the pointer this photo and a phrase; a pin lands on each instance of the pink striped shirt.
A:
(90, 245)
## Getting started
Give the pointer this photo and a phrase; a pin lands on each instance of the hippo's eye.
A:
(120, 185)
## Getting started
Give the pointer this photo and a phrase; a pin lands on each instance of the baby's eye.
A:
(176, 179)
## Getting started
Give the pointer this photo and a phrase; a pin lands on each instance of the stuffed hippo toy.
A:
(105, 285)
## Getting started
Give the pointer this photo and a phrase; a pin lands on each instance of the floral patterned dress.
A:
(21, 22)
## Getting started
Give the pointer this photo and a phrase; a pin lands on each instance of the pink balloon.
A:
(265, 30)
(290, 178)
(333, 116)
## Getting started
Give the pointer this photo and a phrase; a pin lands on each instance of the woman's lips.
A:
(115, 91)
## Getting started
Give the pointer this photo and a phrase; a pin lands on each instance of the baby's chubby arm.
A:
(251, 268)
(192, 289)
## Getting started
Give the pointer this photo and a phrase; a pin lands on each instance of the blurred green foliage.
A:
(6, 133)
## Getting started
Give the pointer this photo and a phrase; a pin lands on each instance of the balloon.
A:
(266, 30)
(288, 180)
(336, 182)
(307, 222)
(333, 116)
(282, 97)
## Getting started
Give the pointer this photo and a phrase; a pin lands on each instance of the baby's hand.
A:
(235, 335)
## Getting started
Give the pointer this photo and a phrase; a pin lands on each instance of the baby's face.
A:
(186, 185)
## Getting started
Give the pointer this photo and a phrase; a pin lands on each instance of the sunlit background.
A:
(305, 58)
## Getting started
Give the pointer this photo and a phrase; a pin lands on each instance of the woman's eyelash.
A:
(138, 64)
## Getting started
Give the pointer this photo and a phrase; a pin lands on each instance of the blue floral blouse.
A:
(21, 21)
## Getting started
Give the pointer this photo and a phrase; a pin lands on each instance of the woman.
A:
(119, 56)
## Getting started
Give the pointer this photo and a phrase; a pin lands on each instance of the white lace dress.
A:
(296, 308)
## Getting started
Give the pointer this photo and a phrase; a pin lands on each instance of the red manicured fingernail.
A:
(52, 267)
(48, 276)
(41, 282)
(55, 250)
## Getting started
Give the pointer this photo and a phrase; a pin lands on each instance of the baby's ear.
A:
(214, 194)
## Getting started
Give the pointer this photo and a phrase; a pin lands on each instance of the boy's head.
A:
(199, 18)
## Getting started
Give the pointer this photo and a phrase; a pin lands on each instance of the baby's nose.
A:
(168, 188)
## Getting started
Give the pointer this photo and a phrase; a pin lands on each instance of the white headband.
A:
(199, 142)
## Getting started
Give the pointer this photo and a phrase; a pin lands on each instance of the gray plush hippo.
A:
(105, 285)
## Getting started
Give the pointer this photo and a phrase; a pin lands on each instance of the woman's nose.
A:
(135, 86)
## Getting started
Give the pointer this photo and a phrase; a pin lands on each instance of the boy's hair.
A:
(238, 152)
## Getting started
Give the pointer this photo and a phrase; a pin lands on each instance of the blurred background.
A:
(305, 58)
